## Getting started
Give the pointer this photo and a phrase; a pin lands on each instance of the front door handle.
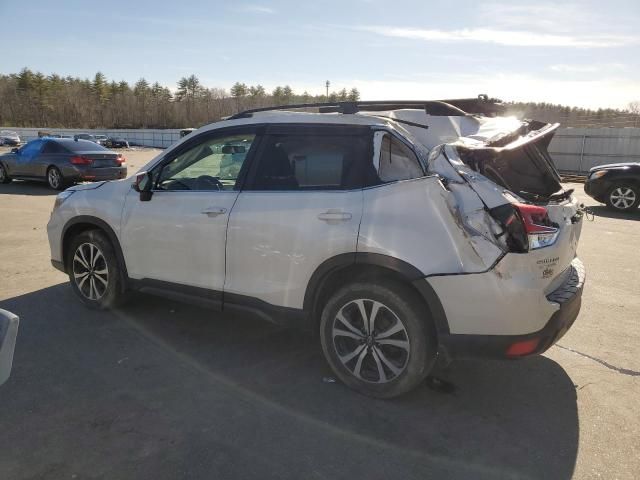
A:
(334, 216)
(214, 211)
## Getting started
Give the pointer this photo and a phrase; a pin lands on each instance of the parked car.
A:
(116, 142)
(100, 139)
(61, 162)
(8, 137)
(396, 240)
(85, 136)
(616, 184)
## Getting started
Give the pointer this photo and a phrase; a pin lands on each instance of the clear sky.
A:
(585, 53)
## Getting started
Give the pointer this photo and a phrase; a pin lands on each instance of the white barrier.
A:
(143, 137)
(572, 149)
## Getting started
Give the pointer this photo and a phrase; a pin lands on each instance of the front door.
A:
(24, 159)
(179, 236)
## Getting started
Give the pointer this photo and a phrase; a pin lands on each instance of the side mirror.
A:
(15, 150)
(8, 332)
(142, 185)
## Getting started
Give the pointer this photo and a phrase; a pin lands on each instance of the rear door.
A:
(302, 205)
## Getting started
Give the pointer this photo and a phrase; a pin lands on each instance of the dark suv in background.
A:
(616, 184)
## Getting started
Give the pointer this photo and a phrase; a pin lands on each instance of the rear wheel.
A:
(55, 178)
(94, 271)
(623, 197)
(4, 176)
(377, 338)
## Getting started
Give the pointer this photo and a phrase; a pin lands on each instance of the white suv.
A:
(400, 233)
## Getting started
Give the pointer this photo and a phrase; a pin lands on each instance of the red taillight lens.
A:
(524, 347)
(79, 160)
(540, 230)
(535, 218)
(121, 160)
(527, 227)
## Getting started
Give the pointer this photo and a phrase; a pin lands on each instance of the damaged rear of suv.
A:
(400, 232)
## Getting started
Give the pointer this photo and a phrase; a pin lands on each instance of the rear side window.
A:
(397, 161)
(311, 162)
(53, 147)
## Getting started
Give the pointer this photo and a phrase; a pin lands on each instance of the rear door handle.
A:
(334, 216)
(214, 211)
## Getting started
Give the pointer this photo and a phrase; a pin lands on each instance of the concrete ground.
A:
(163, 390)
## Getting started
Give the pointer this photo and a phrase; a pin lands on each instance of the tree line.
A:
(32, 99)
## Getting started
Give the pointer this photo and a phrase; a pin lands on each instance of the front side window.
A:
(311, 162)
(397, 161)
(213, 164)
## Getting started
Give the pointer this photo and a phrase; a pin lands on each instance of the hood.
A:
(86, 186)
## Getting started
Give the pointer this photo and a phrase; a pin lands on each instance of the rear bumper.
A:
(94, 174)
(569, 298)
(597, 189)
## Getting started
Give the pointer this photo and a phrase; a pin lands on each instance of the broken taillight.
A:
(540, 230)
(526, 227)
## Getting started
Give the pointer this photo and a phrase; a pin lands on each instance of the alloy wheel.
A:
(622, 198)
(371, 341)
(54, 178)
(3, 174)
(90, 271)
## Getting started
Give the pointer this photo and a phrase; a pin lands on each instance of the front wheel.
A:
(378, 338)
(623, 197)
(94, 270)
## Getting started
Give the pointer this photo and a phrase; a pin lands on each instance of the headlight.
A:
(61, 197)
(598, 174)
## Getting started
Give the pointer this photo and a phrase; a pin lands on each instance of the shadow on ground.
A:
(26, 187)
(165, 390)
(603, 211)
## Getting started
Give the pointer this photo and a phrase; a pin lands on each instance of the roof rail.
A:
(482, 104)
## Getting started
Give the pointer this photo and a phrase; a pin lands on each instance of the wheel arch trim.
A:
(406, 271)
(100, 224)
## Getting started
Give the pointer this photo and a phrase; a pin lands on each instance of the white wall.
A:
(579, 149)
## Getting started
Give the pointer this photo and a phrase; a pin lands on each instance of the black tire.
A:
(4, 175)
(55, 180)
(623, 197)
(413, 355)
(104, 295)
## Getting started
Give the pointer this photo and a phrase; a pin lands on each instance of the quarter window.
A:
(311, 162)
(214, 164)
(397, 161)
